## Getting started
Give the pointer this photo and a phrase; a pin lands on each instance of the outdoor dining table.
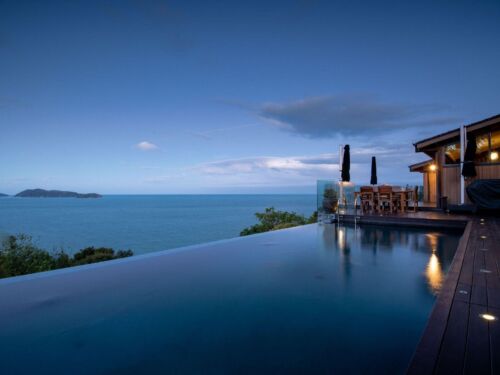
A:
(406, 194)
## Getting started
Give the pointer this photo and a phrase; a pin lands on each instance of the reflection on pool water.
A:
(313, 299)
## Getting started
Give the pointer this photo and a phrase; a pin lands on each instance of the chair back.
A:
(385, 190)
(366, 189)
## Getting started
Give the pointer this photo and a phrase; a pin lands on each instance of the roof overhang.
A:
(421, 167)
(428, 144)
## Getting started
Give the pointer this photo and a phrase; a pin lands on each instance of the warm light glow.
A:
(494, 155)
(432, 167)
(433, 241)
(434, 273)
(488, 317)
(341, 238)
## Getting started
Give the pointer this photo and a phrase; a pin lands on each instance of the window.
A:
(488, 147)
(482, 148)
(452, 153)
(495, 146)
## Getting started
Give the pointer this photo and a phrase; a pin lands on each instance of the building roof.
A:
(420, 167)
(449, 135)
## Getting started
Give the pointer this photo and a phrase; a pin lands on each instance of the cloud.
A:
(146, 146)
(302, 165)
(392, 165)
(351, 115)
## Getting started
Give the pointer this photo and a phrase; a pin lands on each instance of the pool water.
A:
(313, 299)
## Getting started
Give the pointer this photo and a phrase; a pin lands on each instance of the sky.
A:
(151, 97)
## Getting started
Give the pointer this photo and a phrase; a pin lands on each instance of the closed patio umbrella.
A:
(373, 178)
(346, 165)
(469, 169)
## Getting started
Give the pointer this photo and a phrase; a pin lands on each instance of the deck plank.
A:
(451, 356)
(469, 344)
(477, 351)
(494, 328)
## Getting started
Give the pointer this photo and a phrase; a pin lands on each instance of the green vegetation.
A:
(272, 219)
(330, 200)
(19, 256)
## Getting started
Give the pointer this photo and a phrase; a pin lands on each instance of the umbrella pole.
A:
(462, 155)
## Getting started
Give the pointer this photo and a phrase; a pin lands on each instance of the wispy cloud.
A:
(146, 146)
(351, 115)
(303, 165)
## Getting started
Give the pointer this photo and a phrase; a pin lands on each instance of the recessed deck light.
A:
(484, 270)
(481, 219)
(463, 292)
(488, 317)
(484, 237)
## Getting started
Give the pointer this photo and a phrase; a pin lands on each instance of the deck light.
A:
(488, 317)
(432, 167)
(483, 237)
(494, 155)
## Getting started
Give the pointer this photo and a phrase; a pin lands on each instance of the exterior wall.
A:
(450, 180)
(429, 187)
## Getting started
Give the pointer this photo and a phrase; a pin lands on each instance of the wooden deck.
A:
(457, 339)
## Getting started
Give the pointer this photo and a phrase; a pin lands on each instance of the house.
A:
(442, 172)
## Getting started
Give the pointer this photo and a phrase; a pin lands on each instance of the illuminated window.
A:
(452, 153)
(483, 148)
(495, 147)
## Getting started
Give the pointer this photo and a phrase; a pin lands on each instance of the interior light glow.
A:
(494, 155)
(432, 167)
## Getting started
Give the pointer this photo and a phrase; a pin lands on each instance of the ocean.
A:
(142, 223)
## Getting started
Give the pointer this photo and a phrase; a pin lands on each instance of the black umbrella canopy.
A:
(346, 165)
(373, 178)
(469, 169)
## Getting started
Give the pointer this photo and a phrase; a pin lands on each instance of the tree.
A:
(273, 219)
(19, 256)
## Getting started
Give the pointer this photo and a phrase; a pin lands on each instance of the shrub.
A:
(272, 219)
(19, 256)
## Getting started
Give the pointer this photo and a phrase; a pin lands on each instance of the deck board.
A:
(468, 344)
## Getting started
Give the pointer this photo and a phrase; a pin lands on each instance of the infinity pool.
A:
(312, 299)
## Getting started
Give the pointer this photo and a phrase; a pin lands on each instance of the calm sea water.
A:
(143, 223)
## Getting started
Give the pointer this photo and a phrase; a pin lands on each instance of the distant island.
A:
(41, 193)
(3, 195)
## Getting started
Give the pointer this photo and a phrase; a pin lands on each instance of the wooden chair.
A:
(412, 199)
(399, 198)
(367, 198)
(385, 198)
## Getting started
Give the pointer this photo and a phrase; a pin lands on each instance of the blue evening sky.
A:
(230, 97)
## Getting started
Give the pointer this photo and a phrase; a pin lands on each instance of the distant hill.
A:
(3, 195)
(41, 193)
